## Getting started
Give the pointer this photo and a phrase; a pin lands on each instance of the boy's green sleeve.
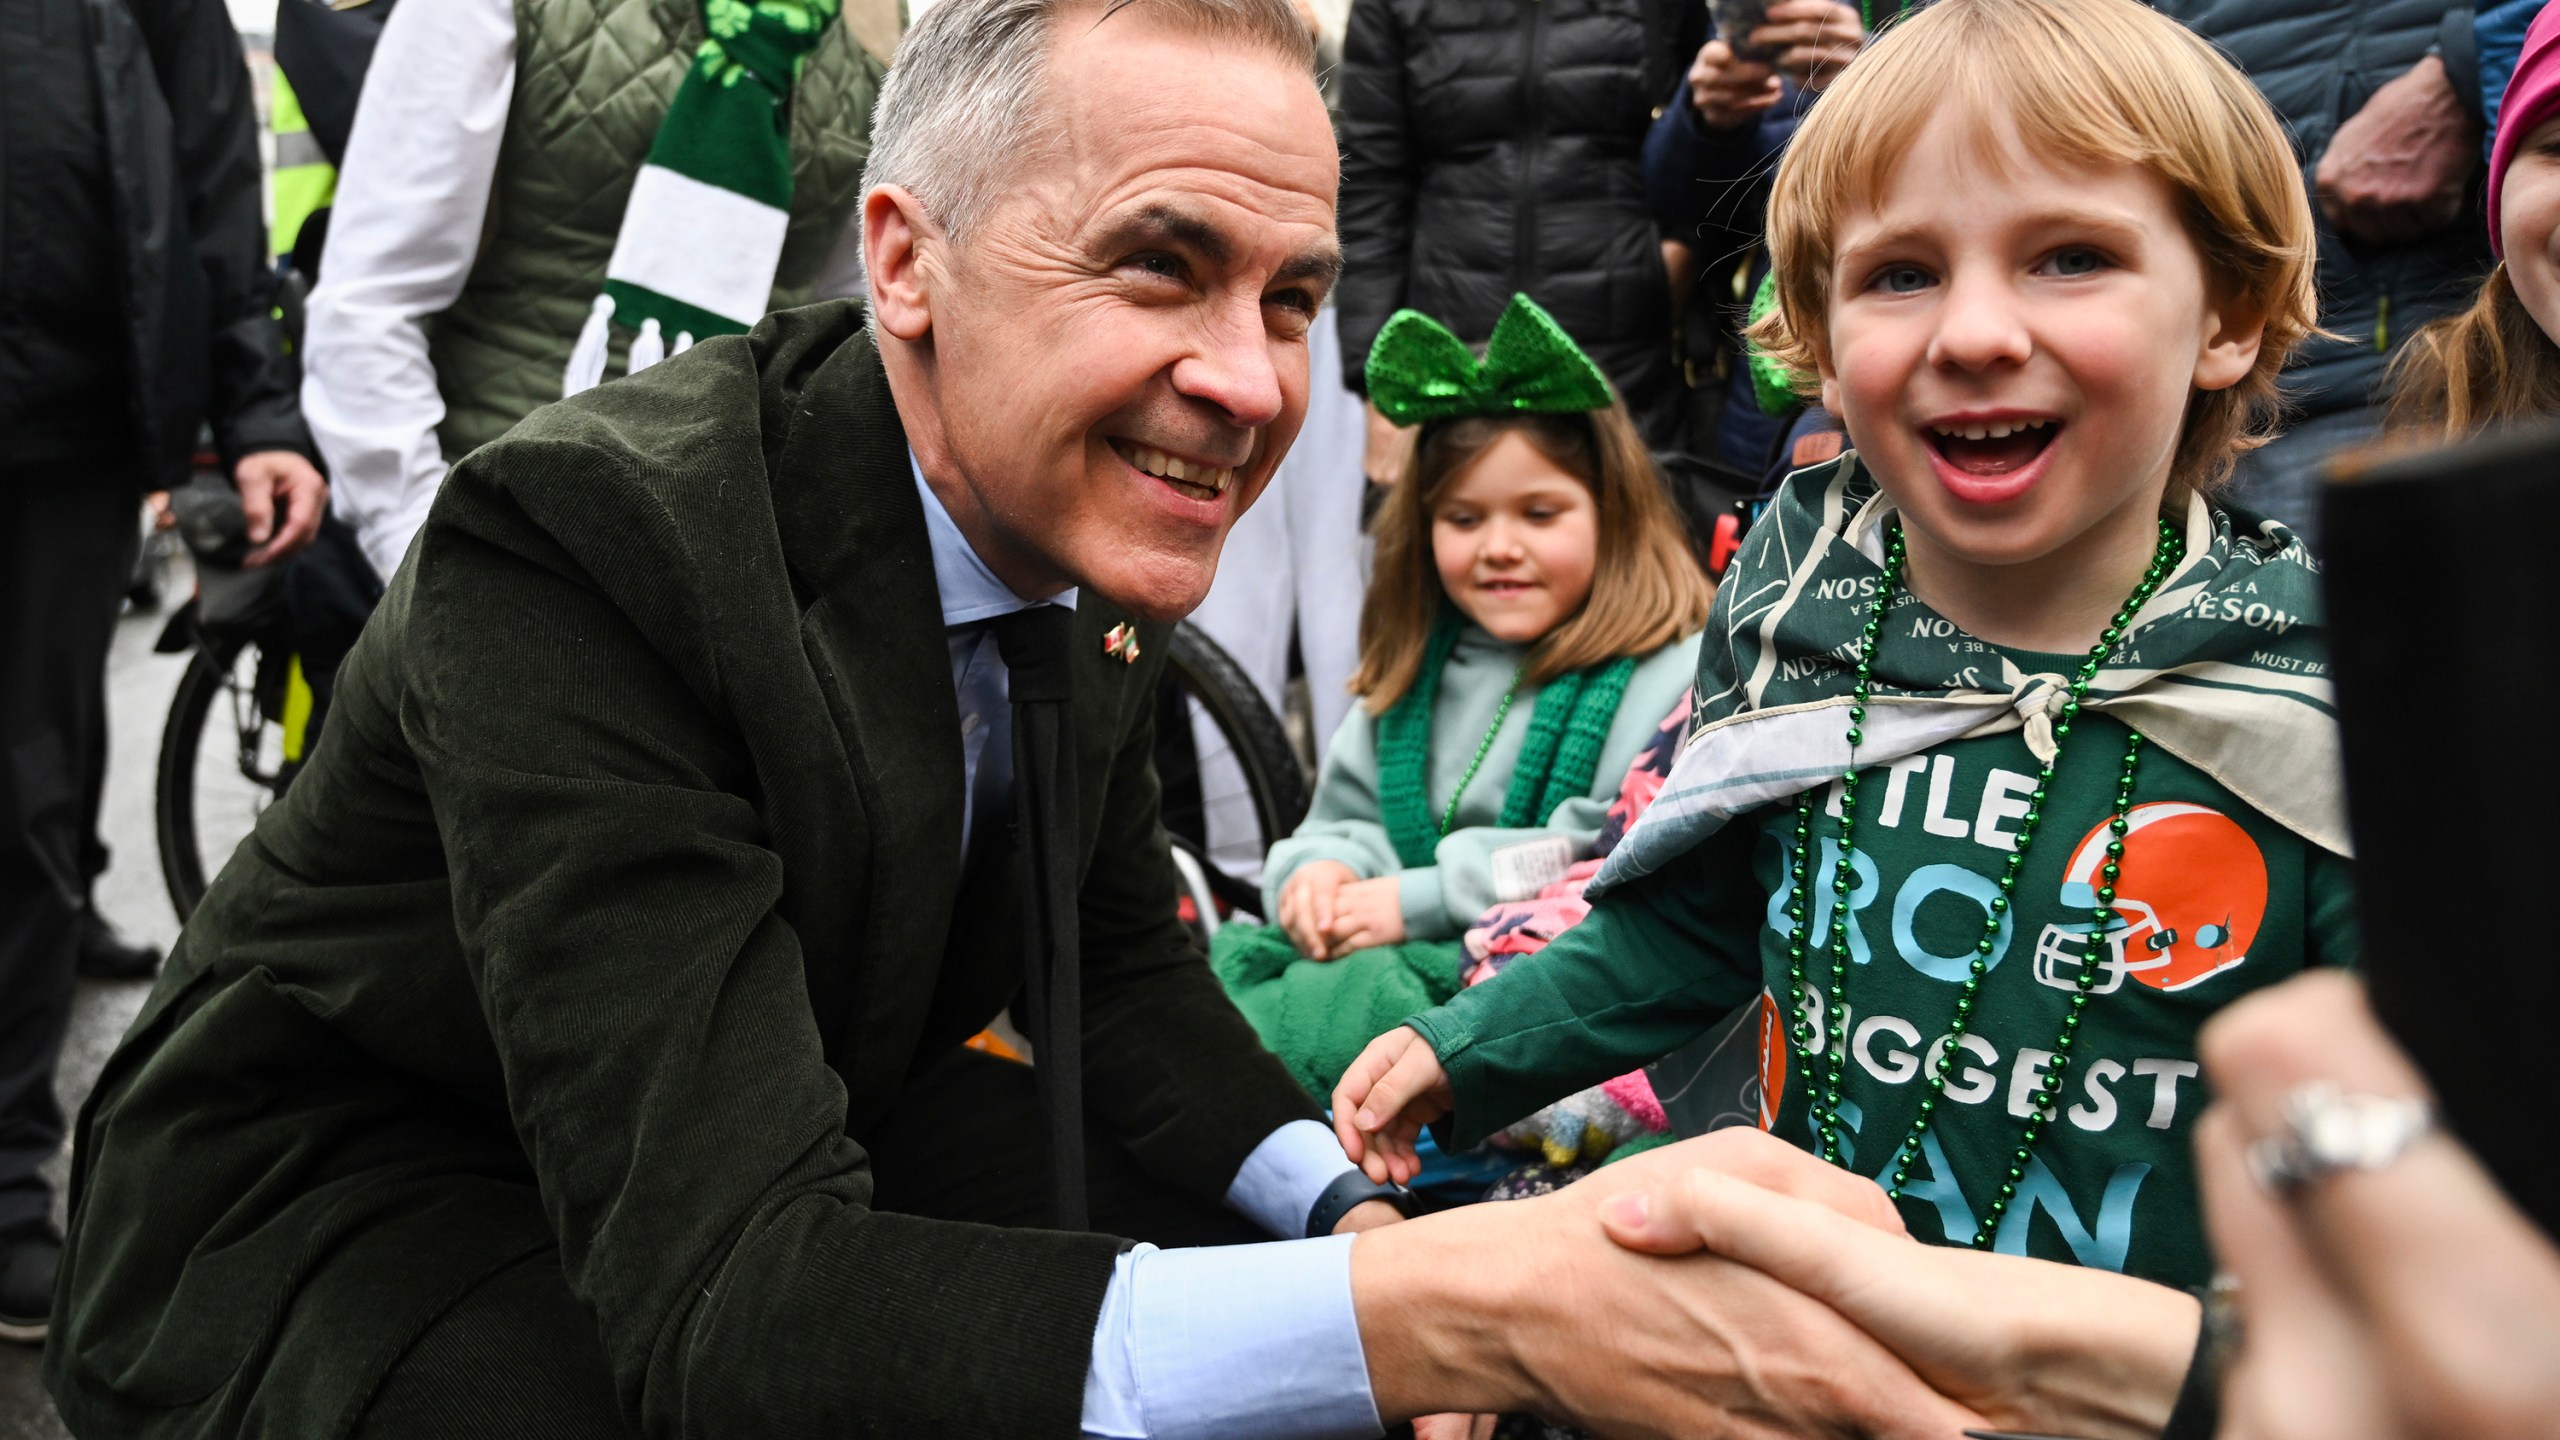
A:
(1655, 963)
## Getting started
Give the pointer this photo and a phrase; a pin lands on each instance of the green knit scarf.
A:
(1557, 760)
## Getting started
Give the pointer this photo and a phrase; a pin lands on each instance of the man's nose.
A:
(1981, 326)
(1232, 367)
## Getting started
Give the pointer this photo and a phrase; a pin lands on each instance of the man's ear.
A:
(896, 233)
(2233, 331)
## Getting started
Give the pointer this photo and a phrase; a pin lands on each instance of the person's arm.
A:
(257, 428)
(1171, 1069)
(1524, 1306)
(1342, 822)
(2034, 1345)
(1707, 181)
(2413, 1299)
(1380, 173)
(1527, 1306)
(1653, 965)
(617, 908)
(2401, 166)
(195, 55)
(412, 197)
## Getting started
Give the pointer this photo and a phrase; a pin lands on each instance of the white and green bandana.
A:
(2225, 668)
(703, 231)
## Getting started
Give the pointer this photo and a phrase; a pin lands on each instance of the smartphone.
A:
(1735, 20)
(2438, 570)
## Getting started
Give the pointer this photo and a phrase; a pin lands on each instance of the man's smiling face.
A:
(1116, 355)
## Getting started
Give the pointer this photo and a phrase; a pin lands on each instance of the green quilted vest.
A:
(593, 79)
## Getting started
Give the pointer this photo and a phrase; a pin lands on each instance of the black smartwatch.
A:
(1353, 1189)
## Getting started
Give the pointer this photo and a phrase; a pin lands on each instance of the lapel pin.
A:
(1122, 640)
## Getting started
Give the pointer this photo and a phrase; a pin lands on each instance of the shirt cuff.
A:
(1246, 1342)
(1280, 1182)
(1424, 898)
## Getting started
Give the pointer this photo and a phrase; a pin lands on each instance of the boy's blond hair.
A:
(2089, 82)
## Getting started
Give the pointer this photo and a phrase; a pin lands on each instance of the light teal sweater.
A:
(1442, 899)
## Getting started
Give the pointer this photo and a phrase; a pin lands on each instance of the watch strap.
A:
(1350, 1189)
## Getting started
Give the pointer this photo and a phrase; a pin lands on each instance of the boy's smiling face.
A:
(2013, 343)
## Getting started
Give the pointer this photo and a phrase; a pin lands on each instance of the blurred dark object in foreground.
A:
(2448, 671)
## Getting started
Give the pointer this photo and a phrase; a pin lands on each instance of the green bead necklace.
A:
(1823, 1069)
(1484, 747)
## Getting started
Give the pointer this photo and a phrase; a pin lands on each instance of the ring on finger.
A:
(2327, 1130)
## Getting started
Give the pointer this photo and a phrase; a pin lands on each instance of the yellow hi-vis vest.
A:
(304, 180)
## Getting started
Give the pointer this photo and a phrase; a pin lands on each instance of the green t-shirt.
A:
(2217, 901)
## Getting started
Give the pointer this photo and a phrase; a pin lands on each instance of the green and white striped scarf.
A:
(2225, 668)
(704, 227)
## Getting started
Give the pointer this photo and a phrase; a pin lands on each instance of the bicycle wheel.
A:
(1233, 782)
(221, 764)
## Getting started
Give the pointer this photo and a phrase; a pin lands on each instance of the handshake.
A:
(1733, 1285)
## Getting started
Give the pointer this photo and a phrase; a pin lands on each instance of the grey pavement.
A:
(139, 686)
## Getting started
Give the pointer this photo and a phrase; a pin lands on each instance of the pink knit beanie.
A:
(2533, 96)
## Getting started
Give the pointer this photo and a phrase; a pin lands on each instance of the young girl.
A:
(2014, 757)
(1532, 616)
(2498, 362)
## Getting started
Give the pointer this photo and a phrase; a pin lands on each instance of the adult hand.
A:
(1388, 450)
(1391, 1091)
(1729, 93)
(2413, 1300)
(2397, 169)
(281, 495)
(1569, 1326)
(1365, 913)
(1815, 39)
(1306, 905)
(2032, 1345)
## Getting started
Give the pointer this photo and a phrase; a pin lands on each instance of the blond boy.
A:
(2014, 758)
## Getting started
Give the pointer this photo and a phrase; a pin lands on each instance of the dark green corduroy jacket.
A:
(622, 893)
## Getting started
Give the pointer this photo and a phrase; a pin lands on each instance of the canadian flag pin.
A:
(1121, 640)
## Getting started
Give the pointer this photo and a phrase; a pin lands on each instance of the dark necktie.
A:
(1039, 681)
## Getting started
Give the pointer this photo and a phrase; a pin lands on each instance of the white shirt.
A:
(412, 198)
(1245, 1342)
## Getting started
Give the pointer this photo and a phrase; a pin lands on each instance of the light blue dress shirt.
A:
(1241, 1342)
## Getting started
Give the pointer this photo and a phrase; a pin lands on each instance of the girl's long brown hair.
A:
(2488, 365)
(1646, 588)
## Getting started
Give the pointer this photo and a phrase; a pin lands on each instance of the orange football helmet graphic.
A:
(2191, 892)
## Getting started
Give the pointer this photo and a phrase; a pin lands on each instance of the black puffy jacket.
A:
(1494, 146)
(192, 327)
(2317, 62)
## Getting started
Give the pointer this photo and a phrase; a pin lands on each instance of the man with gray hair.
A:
(578, 1049)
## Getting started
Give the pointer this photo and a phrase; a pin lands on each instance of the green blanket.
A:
(1318, 1016)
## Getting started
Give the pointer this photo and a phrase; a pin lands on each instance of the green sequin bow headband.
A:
(1419, 372)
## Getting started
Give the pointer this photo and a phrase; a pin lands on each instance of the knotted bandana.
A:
(1418, 371)
(2224, 668)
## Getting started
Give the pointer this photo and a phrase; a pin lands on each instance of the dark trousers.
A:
(518, 1355)
(66, 547)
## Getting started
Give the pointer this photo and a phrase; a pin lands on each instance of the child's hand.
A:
(1815, 39)
(1394, 1089)
(1307, 906)
(1365, 913)
(1728, 93)
(1454, 1427)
